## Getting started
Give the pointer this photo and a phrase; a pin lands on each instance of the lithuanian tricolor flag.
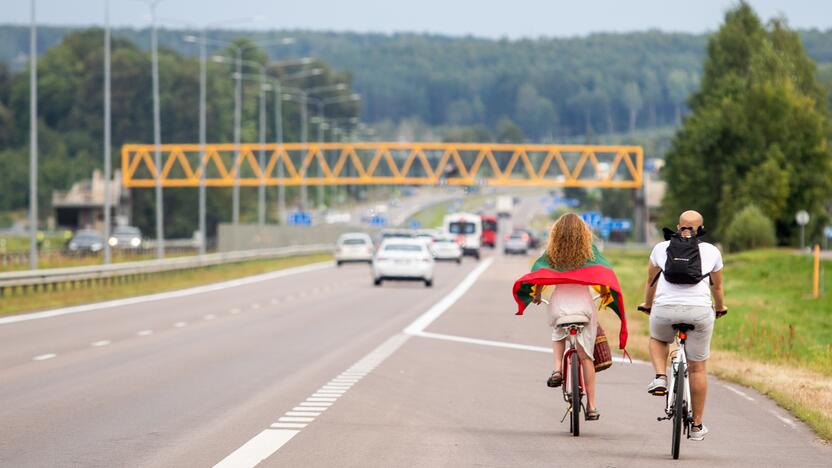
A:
(597, 273)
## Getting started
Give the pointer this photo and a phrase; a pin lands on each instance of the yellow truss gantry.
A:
(375, 163)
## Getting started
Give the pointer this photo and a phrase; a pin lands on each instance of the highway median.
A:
(160, 282)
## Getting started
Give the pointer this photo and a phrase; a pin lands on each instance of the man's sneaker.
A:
(698, 432)
(658, 386)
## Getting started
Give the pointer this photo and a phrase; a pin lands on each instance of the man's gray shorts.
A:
(698, 343)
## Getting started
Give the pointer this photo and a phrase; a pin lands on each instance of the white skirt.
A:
(574, 299)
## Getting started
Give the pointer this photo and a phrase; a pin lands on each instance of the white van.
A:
(466, 228)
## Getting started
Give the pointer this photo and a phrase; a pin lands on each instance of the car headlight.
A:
(113, 242)
(73, 246)
(95, 247)
(135, 241)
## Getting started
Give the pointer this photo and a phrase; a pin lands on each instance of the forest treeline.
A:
(552, 88)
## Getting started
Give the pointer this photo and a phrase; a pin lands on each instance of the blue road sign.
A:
(415, 224)
(378, 220)
(606, 225)
(300, 218)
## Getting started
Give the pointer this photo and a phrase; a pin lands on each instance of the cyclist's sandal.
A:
(555, 379)
(593, 414)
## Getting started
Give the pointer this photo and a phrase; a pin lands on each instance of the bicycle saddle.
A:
(572, 320)
(683, 327)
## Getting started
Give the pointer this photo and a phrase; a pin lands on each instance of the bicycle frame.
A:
(571, 352)
(681, 357)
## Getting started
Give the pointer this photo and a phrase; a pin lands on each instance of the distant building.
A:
(82, 206)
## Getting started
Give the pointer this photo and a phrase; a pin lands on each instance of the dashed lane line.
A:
(44, 357)
(180, 324)
(738, 392)
(270, 440)
(209, 317)
(98, 344)
(144, 333)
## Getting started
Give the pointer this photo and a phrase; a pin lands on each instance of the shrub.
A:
(750, 229)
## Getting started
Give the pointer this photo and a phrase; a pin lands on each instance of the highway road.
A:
(315, 367)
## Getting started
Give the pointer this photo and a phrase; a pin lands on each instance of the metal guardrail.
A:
(34, 279)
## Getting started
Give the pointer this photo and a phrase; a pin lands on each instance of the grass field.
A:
(156, 283)
(776, 338)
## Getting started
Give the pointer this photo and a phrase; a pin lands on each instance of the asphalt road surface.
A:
(315, 367)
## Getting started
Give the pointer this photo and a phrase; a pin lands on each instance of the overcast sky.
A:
(485, 18)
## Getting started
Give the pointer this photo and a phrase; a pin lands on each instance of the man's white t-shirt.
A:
(698, 294)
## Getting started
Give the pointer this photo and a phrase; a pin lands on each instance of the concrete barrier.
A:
(252, 236)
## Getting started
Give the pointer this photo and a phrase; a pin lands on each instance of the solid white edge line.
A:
(446, 302)
(264, 444)
(166, 295)
(504, 344)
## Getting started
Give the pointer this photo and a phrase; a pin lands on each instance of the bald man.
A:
(669, 303)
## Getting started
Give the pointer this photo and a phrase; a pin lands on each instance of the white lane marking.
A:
(234, 311)
(260, 447)
(288, 425)
(98, 344)
(294, 419)
(328, 397)
(333, 392)
(145, 333)
(209, 317)
(255, 306)
(504, 344)
(290, 298)
(786, 421)
(180, 324)
(274, 301)
(310, 408)
(166, 295)
(44, 357)
(443, 305)
(303, 413)
(740, 393)
(271, 440)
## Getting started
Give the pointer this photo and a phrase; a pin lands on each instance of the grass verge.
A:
(776, 338)
(153, 284)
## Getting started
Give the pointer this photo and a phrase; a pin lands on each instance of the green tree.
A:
(750, 229)
(757, 132)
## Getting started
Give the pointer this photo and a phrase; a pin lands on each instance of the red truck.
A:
(489, 230)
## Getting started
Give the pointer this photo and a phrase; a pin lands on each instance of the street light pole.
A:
(261, 189)
(278, 123)
(238, 91)
(108, 157)
(304, 135)
(157, 134)
(33, 140)
(321, 200)
(203, 166)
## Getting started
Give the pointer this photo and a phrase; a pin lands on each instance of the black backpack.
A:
(684, 264)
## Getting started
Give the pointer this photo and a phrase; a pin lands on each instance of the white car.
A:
(337, 217)
(354, 247)
(403, 259)
(446, 248)
(516, 243)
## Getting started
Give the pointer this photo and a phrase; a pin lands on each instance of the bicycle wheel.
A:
(576, 394)
(679, 409)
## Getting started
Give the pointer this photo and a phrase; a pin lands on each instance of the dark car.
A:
(534, 239)
(125, 237)
(86, 241)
